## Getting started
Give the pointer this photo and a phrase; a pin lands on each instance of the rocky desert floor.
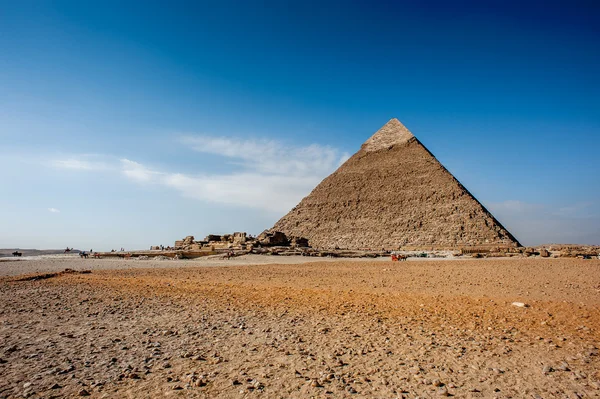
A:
(337, 329)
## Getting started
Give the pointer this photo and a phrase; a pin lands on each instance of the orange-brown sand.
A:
(322, 329)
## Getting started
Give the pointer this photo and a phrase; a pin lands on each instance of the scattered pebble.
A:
(212, 336)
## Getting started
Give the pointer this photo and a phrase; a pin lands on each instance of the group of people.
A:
(162, 248)
(91, 251)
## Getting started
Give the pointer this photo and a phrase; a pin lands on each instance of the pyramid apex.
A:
(393, 132)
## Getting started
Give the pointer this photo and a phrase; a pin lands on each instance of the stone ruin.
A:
(266, 243)
(241, 241)
(543, 251)
(278, 243)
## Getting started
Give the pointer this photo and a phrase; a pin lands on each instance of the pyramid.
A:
(392, 194)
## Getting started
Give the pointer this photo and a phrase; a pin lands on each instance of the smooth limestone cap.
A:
(393, 132)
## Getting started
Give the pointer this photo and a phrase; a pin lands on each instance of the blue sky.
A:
(124, 125)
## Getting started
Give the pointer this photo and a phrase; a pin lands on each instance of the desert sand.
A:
(324, 329)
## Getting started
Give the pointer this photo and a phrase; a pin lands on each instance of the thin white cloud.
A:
(272, 176)
(136, 171)
(266, 174)
(579, 209)
(83, 163)
(53, 210)
(268, 156)
(273, 193)
(577, 223)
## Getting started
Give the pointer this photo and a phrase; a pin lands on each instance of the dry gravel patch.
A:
(325, 329)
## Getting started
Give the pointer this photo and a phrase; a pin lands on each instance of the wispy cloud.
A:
(272, 176)
(265, 174)
(138, 172)
(273, 193)
(269, 156)
(579, 209)
(543, 223)
(83, 163)
(53, 210)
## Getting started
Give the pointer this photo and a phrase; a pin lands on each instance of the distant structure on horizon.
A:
(393, 194)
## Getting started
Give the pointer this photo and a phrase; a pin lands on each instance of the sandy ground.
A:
(320, 329)
(54, 263)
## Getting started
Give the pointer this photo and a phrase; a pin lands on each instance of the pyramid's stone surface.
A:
(393, 193)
